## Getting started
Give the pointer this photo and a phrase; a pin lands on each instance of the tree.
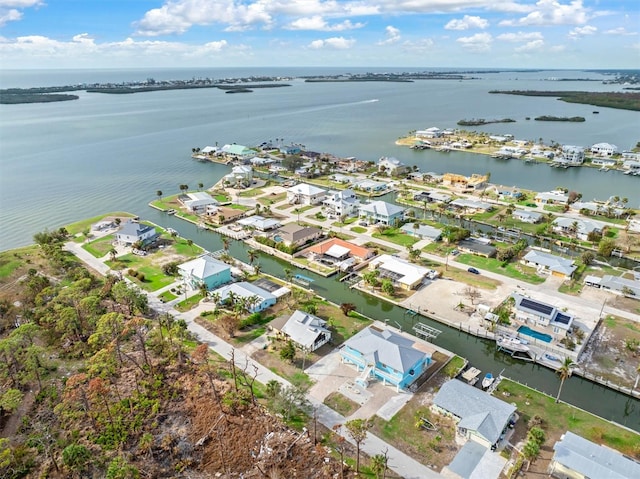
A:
(387, 287)
(357, 429)
(119, 468)
(253, 254)
(606, 247)
(530, 451)
(379, 464)
(472, 294)
(190, 244)
(10, 400)
(225, 244)
(200, 185)
(76, 457)
(587, 258)
(159, 194)
(564, 371)
(288, 352)
(347, 308)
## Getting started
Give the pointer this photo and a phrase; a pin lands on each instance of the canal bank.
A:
(480, 352)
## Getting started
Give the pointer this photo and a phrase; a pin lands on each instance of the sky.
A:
(559, 34)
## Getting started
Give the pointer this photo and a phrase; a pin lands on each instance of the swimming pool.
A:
(527, 331)
(277, 239)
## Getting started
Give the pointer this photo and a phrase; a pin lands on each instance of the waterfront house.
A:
(256, 298)
(604, 149)
(575, 457)
(507, 192)
(387, 356)
(570, 154)
(342, 203)
(290, 149)
(530, 310)
(305, 194)
(432, 132)
(630, 155)
(133, 232)
(480, 417)
(631, 166)
(223, 214)
(392, 166)
(402, 273)
(555, 197)
(578, 227)
(477, 247)
(381, 212)
(205, 270)
(335, 250)
(259, 223)
(370, 186)
(259, 161)
(550, 264)
(342, 179)
(197, 202)
(468, 205)
(239, 152)
(306, 330)
(527, 216)
(604, 162)
(422, 231)
(293, 234)
(473, 182)
(616, 284)
(241, 175)
(210, 150)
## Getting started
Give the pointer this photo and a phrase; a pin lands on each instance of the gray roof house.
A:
(381, 212)
(615, 284)
(542, 313)
(527, 216)
(577, 457)
(422, 231)
(294, 234)
(479, 248)
(306, 330)
(131, 232)
(550, 263)
(481, 416)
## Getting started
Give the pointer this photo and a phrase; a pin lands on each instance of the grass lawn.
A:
(154, 278)
(80, 226)
(181, 247)
(167, 296)
(380, 248)
(189, 303)
(511, 270)
(358, 229)
(341, 404)
(560, 417)
(477, 280)
(453, 367)
(271, 199)
(397, 236)
(251, 193)
(167, 203)
(100, 247)
(13, 259)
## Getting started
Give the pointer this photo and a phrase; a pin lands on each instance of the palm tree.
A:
(200, 185)
(225, 244)
(190, 244)
(288, 275)
(159, 194)
(204, 291)
(565, 372)
(113, 253)
(257, 268)
(253, 254)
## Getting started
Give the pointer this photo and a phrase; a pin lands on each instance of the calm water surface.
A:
(61, 162)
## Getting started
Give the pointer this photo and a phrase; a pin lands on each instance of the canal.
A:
(481, 353)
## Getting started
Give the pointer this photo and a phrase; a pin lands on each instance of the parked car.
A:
(473, 270)
(363, 223)
(455, 252)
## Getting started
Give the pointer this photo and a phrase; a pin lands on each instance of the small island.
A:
(622, 101)
(573, 119)
(16, 99)
(482, 121)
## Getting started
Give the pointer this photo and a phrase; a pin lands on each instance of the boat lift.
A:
(425, 331)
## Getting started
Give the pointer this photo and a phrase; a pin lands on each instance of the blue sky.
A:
(393, 33)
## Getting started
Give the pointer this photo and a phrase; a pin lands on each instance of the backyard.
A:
(511, 269)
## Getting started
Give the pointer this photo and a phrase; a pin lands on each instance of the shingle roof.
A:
(133, 228)
(306, 189)
(592, 460)
(245, 290)
(382, 208)
(551, 261)
(304, 328)
(477, 410)
(386, 347)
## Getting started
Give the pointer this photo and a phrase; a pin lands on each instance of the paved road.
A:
(399, 462)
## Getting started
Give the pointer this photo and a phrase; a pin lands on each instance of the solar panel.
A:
(562, 318)
(535, 306)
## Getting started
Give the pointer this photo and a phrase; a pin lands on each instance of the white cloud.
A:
(178, 16)
(337, 43)
(466, 23)
(531, 46)
(620, 31)
(20, 3)
(393, 36)
(421, 47)
(10, 15)
(318, 23)
(480, 42)
(552, 12)
(520, 37)
(9, 9)
(580, 32)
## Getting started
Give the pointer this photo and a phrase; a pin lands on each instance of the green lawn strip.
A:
(271, 199)
(463, 276)
(511, 270)
(358, 229)
(251, 193)
(453, 367)
(189, 303)
(80, 226)
(14, 259)
(240, 207)
(342, 326)
(167, 296)
(183, 248)
(341, 404)
(397, 236)
(154, 278)
(167, 202)
(553, 209)
(574, 286)
(560, 417)
(244, 337)
(100, 247)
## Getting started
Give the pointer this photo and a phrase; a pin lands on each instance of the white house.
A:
(305, 194)
(527, 216)
(198, 202)
(432, 132)
(342, 203)
(381, 212)
(240, 174)
(403, 273)
(555, 197)
(392, 166)
(261, 299)
(542, 314)
(550, 263)
(572, 154)
(580, 228)
(306, 330)
(604, 149)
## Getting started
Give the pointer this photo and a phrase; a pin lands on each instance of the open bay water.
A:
(62, 162)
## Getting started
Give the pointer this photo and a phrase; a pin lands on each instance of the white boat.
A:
(512, 344)
(171, 212)
(488, 380)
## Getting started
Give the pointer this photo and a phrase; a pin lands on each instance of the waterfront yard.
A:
(511, 270)
(397, 236)
(100, 247)
(558, 418)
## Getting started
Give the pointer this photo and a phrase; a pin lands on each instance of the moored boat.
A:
(488, 380)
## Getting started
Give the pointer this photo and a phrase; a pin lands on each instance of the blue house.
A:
(387, 356)
(205, 270)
